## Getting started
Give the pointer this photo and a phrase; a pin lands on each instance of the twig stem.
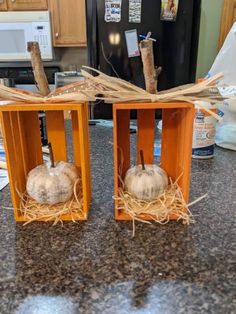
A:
(51, 155)
(142, 159)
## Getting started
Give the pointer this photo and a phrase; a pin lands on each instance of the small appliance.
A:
(18, 28)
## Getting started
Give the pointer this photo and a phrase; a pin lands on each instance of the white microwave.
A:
(17, 28)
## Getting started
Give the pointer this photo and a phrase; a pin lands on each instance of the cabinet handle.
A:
(13, 1)
(57, 35)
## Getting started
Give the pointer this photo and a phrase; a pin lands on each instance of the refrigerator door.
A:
(175, 49)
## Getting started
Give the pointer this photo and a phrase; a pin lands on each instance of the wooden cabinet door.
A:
(227, 20)
(68, 23)
(27, 5)
(3, 5)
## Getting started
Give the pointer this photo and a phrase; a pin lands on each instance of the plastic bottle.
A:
(157, 143)
(226, 130)
(204, 131)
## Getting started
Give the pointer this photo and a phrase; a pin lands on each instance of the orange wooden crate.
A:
(22, 140)
(176, 148)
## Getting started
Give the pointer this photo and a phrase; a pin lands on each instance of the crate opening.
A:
(24, 152)
(174, 139)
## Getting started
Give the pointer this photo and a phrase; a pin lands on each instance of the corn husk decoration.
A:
(99, 86)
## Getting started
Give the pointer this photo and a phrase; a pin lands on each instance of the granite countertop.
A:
(97, 267)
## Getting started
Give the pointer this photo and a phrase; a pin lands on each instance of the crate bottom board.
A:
(66, 217)
(124, 216)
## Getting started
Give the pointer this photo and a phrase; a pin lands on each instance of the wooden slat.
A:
(146, 134)
(176, 149)
(30, 139)
(75, 135)
(87, 147)
(14, 158)
(56, 133)
(121, 147)
(151, 105)
(69, 106)
(84, 156)
(122, 140)
(38, 107)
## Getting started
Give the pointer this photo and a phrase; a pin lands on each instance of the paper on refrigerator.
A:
(113, 10)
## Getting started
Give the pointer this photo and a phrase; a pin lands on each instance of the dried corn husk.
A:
(33, 211)
(115, 90)
(170, 202)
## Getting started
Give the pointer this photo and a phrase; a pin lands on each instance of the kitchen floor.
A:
(97, 267)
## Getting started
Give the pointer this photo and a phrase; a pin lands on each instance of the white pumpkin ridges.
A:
(33, 211)
(146, 184)
(160, 210)
(52, 185)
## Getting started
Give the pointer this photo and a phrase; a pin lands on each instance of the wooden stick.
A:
(51, 155)
(142, 160)
(150, 75)
(37, 64)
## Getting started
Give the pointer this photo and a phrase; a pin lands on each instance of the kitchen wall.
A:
(67, 59)
(209, 35)
(72, 58)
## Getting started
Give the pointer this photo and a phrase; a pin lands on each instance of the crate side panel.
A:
(56, 133)
(30, 139)
(84, 158)
(177, 145)
(121, 148)
(15, 162)
(76, 139)
(146, 134)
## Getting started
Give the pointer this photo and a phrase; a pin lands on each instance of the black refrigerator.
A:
(175, 48)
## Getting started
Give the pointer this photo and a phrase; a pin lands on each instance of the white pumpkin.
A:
(145, 181)
(52, 185)
(53, 182)
(146, 184)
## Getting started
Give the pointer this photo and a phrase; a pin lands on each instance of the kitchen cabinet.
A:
(68, 23)
(227, 20)
(3, 5)
(23, 5)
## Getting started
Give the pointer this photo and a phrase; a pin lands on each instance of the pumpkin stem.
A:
(51, 155)
(142, 159)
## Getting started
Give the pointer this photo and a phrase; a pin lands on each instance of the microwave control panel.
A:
(42, 34)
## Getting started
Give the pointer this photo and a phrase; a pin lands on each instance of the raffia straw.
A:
(159, 210)
(33, 211)
(115, 90)
(170, 202)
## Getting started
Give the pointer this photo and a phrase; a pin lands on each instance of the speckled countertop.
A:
(97, 267)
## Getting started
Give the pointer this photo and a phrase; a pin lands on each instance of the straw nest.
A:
(169, 204)
(99, 86)
(33, 211)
